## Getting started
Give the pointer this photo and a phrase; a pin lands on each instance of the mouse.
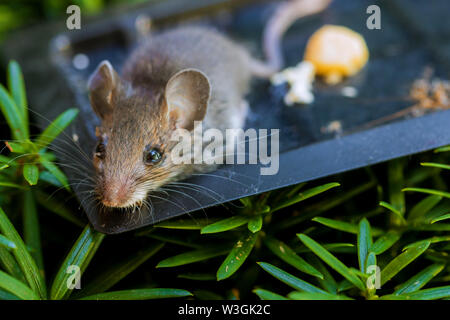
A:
(173, 79)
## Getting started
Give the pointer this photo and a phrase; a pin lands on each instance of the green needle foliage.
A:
(379, 233)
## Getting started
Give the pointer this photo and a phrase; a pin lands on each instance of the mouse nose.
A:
(116, 194)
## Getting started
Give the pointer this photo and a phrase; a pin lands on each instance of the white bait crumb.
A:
(80, 61)
(349, 92)
(332, 127)
(300, 79)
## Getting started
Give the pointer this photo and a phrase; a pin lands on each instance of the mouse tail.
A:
(286, 14)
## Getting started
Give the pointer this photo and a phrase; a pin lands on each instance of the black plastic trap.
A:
(414, 36)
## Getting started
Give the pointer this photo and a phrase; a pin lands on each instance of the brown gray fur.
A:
(225, 63)
(173, 79)
(135, 109)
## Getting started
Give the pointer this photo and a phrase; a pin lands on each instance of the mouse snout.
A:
(116, 193)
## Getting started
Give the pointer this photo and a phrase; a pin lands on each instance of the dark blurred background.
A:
(16, 15)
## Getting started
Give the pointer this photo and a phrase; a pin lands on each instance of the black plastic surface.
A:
(399, 53)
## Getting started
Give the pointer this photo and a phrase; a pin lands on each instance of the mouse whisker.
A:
(197, 188)
(220, 177)
(169, 201)
(190, 197)
(49, 121)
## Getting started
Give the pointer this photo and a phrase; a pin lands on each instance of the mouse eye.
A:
(100, 150)
(152, 155)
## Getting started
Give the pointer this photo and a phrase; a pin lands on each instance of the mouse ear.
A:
(102, 85)
(187, 95)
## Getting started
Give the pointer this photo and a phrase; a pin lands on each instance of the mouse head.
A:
(132, 156)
